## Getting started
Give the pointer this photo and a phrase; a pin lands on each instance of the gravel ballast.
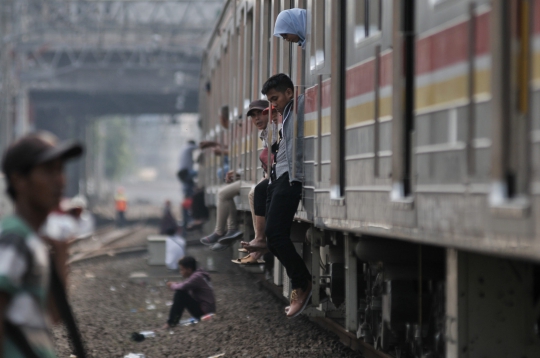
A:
(250, 321)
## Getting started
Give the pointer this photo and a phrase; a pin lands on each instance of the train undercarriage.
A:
(410, 300)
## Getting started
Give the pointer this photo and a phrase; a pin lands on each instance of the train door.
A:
(402, 205)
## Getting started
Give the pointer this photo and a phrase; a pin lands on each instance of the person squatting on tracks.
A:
(175, 244)
(194, 294)
(34, 169)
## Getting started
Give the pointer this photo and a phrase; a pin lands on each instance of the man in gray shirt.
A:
(285, 189)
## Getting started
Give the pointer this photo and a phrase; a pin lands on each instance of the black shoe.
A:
(230, 237)
(211, 239)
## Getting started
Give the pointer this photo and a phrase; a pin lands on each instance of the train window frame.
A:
(510, 193)
(437, 3)
(369, 37)
(318, 37)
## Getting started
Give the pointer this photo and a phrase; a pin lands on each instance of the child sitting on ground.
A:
(194, 294)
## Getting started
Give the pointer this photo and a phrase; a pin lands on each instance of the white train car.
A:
(420, 209)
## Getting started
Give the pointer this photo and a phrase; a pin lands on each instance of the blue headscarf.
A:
(292, 21)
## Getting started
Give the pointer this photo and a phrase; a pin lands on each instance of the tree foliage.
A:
(118, 156)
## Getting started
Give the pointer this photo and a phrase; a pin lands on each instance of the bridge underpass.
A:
(66, 63)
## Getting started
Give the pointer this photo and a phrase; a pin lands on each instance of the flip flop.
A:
(247, 260)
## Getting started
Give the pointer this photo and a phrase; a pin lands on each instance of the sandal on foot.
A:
(248, 260)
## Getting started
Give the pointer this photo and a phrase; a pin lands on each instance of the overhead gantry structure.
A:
(92, 57)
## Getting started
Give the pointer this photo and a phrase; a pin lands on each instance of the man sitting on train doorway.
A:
(285, 189)
(226, 208)
(257, 195)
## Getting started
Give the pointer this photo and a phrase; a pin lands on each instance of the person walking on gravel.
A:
(194, 294)
(34, 170)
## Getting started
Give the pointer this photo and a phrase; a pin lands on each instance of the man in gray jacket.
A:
(285, 188)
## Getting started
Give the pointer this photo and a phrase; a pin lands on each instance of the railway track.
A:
(110, 241)
(347, 338)
(105, 241)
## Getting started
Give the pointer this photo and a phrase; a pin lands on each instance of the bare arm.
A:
(208, 144)
(59, 259)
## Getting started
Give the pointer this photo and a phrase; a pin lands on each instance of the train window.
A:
(510, 81)
(367, 19)
(318, 24)
(360, 26)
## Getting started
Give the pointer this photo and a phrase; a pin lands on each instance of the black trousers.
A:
(183, 300)
(198, 207)
(259, 199)
(281, 204)
(120, 218)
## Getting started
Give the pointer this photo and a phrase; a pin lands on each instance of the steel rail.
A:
(108, 238)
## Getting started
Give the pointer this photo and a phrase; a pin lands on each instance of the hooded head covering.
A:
(292, 21)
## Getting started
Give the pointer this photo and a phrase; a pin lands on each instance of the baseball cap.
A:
(267, 109)
(37, 148)
(259, 104)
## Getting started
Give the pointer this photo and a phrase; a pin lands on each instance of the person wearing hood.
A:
(291, 26)
(195, 293)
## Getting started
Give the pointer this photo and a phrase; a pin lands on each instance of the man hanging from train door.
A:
(285, 188)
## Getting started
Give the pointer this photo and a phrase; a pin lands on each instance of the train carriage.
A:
(420, 204)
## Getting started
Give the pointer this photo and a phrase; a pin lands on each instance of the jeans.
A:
(183, 300)
(257, 199)
(281, 204)
(226, 208)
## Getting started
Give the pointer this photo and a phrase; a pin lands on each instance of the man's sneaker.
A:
(323, 298)
(219, 247)
(230, 237)
(299, 300)
(211, 239)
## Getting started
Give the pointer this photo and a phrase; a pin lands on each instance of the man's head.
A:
(275, 114)
(74, 206)
(291, 37)
(279, 90)
(255, 112)
(34, 169)
(187, 265)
